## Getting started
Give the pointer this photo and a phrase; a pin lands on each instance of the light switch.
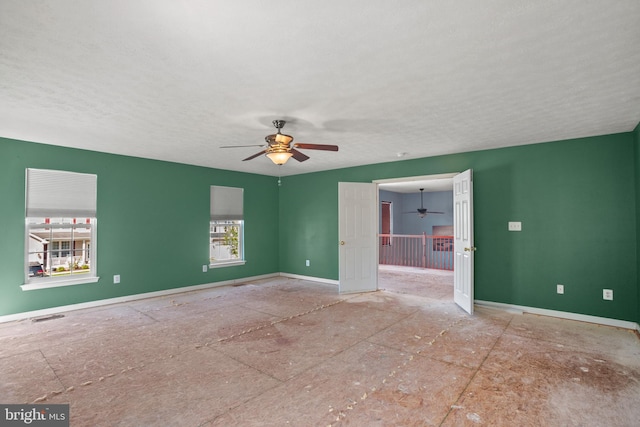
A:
(515, 226)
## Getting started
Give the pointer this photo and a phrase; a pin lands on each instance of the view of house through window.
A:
(226, 229)
(59, 246)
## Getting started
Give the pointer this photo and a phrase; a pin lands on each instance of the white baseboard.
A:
(508, 307)
(127, 298)
(560, 314)
(311, 278)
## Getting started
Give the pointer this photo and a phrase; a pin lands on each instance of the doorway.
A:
(359, 227)
(401, 197)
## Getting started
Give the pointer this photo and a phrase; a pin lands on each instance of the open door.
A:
(463, 240)
(358, 236)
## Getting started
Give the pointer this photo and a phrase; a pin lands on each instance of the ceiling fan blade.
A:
(255, 155)
(316, 147)
(421, 212)
(238, 146)
(299, 156)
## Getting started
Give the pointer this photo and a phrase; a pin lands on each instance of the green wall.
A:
(576, 201)
(153, 224)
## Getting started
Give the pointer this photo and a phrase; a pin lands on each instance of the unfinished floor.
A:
(284, 352)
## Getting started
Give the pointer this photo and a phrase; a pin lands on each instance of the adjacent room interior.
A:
(312, 213)
(415, 249)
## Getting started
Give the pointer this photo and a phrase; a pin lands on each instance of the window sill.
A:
(58, 283)
(227, 264)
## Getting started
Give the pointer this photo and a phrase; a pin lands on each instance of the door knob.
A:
(471, 249)
(341, 242)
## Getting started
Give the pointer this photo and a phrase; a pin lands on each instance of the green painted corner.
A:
(153, 224)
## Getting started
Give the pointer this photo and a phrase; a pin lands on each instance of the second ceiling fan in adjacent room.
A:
(422, 211)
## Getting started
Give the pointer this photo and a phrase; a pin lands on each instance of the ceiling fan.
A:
(422, 211)
(279, 148)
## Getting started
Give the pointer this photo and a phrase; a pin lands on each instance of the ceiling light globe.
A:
(279, 158)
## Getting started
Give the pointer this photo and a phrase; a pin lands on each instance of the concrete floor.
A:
(289, 352)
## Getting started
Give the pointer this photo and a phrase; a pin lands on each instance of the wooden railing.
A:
(416, 250)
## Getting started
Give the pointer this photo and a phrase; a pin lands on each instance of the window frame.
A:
(227, 261)
(57, 246)
(226, 209)
(44, 211)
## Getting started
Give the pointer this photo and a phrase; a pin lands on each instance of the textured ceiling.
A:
(175, 80)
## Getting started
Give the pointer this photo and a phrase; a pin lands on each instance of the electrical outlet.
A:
(607, 294)
(116, 278)
(560, 289)
(515, 226)
(308, 263)
(204, 268)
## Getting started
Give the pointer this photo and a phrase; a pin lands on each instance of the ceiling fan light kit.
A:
(279, 148)
(279, 158)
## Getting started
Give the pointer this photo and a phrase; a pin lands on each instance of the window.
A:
(60, 230)
(386, 223)
(226, 228)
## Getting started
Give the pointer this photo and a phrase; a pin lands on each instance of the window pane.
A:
(64, 246)
(225, 241)
(59, 247)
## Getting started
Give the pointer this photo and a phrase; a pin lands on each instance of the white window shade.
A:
(226, 203)
(52, 193)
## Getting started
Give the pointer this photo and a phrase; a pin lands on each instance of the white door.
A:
(358, 236)
(463, 240)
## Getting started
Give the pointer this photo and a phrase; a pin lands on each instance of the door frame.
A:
(416, 179)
